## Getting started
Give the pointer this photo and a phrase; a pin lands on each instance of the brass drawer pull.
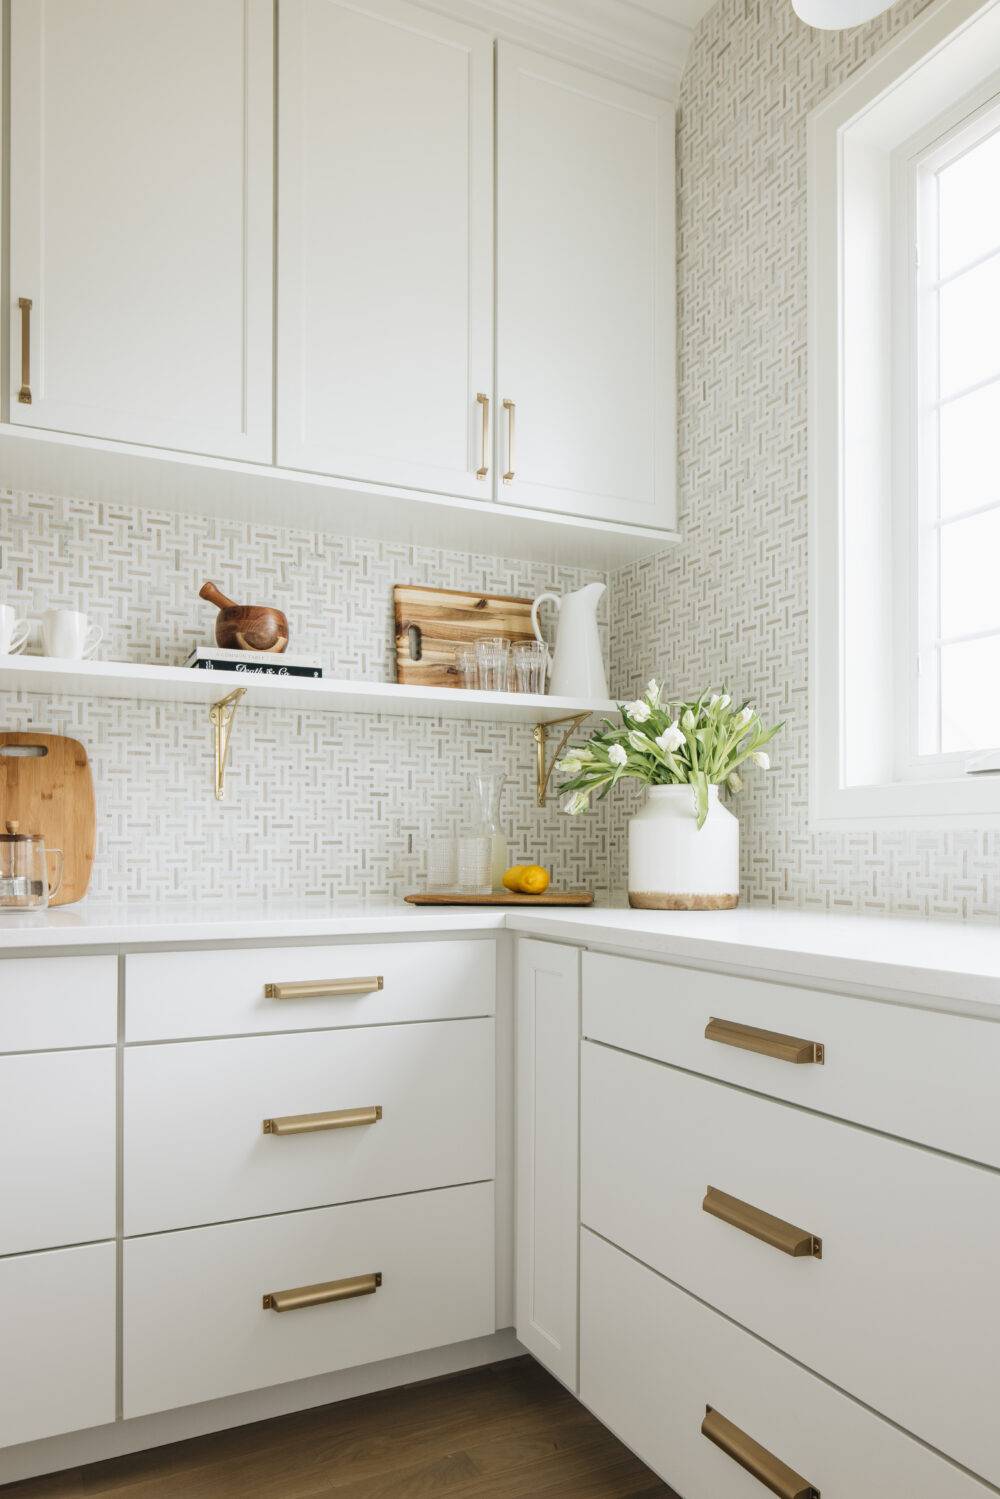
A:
(767, 1043)
(323, 988)
(508, 475)
(769, 1470)
(750, 1220)
(328, 1290)
(24, 394)
(484, 457)
(307, 1124)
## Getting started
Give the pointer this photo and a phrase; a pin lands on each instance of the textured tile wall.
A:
(316, 804)
(730, 604)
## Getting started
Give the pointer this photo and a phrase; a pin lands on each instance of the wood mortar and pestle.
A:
(246, 627)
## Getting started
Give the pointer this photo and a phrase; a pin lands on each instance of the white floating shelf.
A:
(180, 684)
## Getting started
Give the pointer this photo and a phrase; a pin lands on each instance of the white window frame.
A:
(861, 466)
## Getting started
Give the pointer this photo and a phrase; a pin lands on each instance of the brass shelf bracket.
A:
(540, 734)
(222, 714)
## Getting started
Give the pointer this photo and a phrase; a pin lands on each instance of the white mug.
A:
(13, 631)
(65, 633)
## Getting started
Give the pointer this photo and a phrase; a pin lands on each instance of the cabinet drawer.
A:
(57, 1149)
(916, 1073)
(196, 1328)
(48, 1002)
(901, 1310)
(195, 1147)
(172, 996)
(57, 1372)
(652, 1359)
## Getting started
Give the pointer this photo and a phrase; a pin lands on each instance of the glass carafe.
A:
(487, 788)
(24, 870)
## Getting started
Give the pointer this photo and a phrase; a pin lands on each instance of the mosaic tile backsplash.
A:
(316, 805)
(730, 604)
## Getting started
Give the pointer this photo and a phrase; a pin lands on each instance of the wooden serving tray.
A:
(502, 898)
(435, 621)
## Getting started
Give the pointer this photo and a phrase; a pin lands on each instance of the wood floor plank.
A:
(507, 1431)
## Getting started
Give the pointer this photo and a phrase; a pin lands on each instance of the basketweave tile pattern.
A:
(339, 805)
(730, 604)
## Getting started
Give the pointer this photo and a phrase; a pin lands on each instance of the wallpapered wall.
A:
(316, 805)
(730, 604)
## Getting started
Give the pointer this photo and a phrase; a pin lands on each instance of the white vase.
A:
(673, 865)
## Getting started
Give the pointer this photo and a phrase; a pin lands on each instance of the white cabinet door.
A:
(547, 1107)
(385, 243)
(585, 309)
(58, 1172)
(141, 221)
(196, 1327)
(57, 1364)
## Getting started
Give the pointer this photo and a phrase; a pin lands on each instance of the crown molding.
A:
(641, 42)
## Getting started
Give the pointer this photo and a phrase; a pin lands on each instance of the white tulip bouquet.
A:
(699, 744)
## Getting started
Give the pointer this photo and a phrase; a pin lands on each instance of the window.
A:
(952, 192)
(904, 205)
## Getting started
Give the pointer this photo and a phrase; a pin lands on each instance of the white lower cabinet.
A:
(653, 1360)
(195, 1323)
(57, 1366)
(211, 1160)
(58, 1163)
(908, 1239)
(548, 1030)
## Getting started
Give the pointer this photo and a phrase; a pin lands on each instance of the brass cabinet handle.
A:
(797, 1242)
(308, 1124)
(769, 1470)
(328, 1290)
(324, 988)
(24, 394)
(767, 1043)
(484, 464)
(508, 406)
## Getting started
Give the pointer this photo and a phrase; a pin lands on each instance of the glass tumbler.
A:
(493, 656)
(441, 863)
(531, 658)
(468, 666)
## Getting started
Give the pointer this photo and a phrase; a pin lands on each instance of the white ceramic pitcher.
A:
(578, 665)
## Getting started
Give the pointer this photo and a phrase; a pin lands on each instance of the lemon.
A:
(512, 879)
(534, 880)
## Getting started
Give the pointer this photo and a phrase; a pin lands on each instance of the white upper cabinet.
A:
(585, 307)
(141, 221)
(385, 244)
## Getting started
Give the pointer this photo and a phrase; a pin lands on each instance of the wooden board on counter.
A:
(502, 898)
(51, 793)
(434, 622)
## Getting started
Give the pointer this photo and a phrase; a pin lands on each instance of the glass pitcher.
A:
(24, 870)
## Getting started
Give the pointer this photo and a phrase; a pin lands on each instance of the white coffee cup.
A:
(65, 633)
(14, 632)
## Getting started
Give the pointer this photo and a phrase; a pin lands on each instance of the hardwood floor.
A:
(505, 1432)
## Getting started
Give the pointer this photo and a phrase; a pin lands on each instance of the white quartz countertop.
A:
(946, 961)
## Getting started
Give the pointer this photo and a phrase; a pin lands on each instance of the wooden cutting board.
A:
(431, 623)
(502, 898)
(51, 792)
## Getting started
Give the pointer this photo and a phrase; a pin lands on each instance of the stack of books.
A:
(254, 663)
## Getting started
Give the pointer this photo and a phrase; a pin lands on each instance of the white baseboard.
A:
(79, 1447)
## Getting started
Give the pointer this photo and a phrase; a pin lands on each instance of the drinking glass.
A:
(493, 656)
(441, 863)
(530, 661)
(468, 665)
